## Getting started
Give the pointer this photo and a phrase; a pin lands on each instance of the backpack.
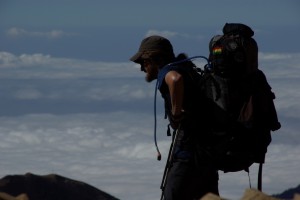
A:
(241, 101)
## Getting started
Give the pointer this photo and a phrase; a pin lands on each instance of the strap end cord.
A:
(155, 123)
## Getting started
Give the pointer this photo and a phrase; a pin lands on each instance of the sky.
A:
(72, 103)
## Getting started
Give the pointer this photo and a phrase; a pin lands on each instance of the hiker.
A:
(189, 176)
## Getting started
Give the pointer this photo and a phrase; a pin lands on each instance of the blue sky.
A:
(133, 13)
(112, 30)
(72, 103)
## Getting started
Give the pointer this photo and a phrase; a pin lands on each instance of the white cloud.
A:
(30, 66)
(168, 34)
(53, 34)
(102, 150)
(28, 93)
(277, 56)
(116, 154)
(39, 76)
(172, 34)
(10, 60)
(280, 65)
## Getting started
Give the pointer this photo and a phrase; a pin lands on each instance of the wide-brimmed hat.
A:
(153, 43)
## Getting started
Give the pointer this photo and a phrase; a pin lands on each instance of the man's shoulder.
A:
(163, 72)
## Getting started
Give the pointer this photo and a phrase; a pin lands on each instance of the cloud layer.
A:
(93, 121)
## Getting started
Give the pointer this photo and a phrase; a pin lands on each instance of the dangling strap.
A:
(259, 178)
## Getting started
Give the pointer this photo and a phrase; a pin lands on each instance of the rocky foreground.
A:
(56, 187)
(48, 187)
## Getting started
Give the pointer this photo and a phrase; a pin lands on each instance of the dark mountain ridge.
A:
(289, 193)
(50, 187)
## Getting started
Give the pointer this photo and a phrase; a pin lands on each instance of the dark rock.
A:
(51, 187)
(289, 193)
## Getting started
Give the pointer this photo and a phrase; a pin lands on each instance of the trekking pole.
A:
(169, 162)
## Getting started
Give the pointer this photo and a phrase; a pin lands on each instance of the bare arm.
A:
(174, 81)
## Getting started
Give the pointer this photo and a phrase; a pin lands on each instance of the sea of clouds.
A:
(93, 121)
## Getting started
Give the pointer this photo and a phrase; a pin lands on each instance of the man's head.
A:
(154, 53)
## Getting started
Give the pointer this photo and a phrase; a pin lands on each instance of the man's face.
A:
(150, 69)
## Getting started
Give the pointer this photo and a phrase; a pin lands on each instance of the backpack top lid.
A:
(237, 28)
(235, 53)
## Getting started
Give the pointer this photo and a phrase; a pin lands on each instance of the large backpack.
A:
(239, 109)
(242, 108)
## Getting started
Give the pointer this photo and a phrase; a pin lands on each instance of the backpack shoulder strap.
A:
(162, 73)
(177, 66)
